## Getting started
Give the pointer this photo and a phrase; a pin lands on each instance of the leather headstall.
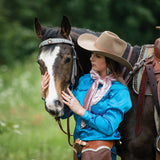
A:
(73, 75)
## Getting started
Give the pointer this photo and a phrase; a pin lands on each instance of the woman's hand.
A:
(44, 84)
(72, 103)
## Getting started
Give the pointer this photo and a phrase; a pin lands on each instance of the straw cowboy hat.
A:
(108, 44)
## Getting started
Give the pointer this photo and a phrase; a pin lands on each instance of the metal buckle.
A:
(78, 147)
(157, 143)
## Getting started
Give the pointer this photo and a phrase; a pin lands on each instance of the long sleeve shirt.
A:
(104, 118)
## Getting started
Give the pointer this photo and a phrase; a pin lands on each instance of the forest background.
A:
(27, 131)
(133, 20)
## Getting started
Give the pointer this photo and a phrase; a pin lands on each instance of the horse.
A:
(65, 61)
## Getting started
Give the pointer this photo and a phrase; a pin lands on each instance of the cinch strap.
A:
(55, 41)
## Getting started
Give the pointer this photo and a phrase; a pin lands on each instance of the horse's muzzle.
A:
(56, 109)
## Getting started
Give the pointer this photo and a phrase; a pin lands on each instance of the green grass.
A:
(34, 134)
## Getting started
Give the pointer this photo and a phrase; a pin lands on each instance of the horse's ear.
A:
(65, 26)
(38, 28)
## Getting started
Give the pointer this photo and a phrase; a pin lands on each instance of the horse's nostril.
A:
(49, 110)
(58, 103)
(52, 112)
(56, 109)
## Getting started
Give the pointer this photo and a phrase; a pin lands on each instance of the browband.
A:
(55, 41)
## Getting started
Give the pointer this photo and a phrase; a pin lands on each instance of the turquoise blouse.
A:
(104, 118)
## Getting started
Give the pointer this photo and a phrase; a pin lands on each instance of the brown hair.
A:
(116, 70)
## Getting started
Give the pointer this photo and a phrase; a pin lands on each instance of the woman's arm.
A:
(107, 123)
(44, 84)
(72, 103)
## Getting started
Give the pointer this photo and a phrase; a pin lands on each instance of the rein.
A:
(73, 75)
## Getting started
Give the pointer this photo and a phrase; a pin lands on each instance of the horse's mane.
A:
(83, 30)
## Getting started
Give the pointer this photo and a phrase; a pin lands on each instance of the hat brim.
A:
(87, 41)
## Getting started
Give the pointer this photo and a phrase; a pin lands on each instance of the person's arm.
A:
(107, 123)
(44, 84)
(72, 103)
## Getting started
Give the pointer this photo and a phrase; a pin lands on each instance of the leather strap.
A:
(68, 127)
(74, 69)
(73, 75)
(55, 41)
(158, 89)
(136, 68)
(140, 106)
(157, 155)
(148, 74)
(153, 85)
(81, 146)
(96, 144)
(157, 75)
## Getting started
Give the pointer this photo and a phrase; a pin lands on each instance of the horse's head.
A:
(57, 56)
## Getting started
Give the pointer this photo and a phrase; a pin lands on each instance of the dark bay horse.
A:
(65, 61)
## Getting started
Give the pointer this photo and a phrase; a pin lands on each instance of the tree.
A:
(134, 21)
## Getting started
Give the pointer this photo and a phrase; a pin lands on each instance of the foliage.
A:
(38, 136)
(8, 127)
(134, 21)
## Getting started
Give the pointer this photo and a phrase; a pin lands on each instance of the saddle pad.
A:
(146, 50)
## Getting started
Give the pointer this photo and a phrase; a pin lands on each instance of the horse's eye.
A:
(67, 60)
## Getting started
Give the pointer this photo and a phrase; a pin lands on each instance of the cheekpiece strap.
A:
(55, 41)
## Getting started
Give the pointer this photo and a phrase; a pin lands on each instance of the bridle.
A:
(69, 42)
(51, 41)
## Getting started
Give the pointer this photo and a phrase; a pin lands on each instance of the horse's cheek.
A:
(58, 86)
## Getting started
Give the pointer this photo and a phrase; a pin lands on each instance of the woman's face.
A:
(98, 62)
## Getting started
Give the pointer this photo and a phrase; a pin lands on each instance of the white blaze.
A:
(49, 59)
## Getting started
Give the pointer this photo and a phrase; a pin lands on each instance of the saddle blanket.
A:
(146, 51)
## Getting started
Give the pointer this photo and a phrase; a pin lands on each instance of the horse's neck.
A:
(76, 32)
(134, 54)
(82, 54)
(133, 57)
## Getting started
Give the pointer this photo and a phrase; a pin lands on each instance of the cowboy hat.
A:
(108, 44)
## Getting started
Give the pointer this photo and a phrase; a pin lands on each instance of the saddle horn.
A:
(157, 48)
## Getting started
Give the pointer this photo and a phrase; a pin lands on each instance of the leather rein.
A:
(73, 76)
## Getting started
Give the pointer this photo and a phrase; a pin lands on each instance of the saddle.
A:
(148, 83)
(146, 51)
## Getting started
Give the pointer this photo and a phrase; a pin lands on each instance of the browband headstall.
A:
(55, 41)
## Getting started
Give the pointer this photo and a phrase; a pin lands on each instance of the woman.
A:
(101, 98)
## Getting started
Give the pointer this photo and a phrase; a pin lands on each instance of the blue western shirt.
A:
(104, 118)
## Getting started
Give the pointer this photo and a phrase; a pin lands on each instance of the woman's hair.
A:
(115, 69)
